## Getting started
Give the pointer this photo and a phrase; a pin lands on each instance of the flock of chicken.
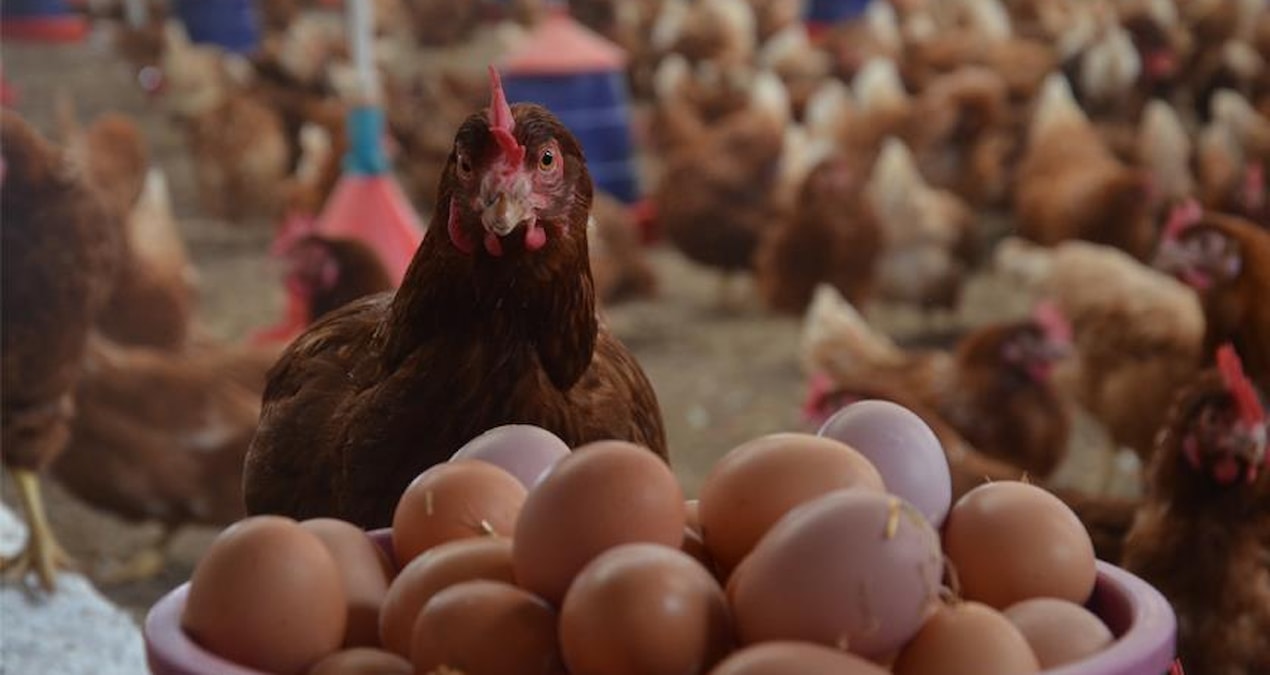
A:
(1119, 147)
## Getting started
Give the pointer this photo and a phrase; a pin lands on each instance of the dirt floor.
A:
(722, 376)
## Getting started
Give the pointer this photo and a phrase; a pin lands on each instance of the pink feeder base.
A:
(374, 210)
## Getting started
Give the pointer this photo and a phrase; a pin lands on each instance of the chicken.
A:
(1138, 334)
(717, 197)
(152, 303)
(618, 265)
(494, 323)
(928, 234)
(161, 436)
(723, 32)
(1165, 149)
(238, 143)
(832, 237)
(331, 273)
(61, 248)
(111, 152)
(851, 44)
(994, 389)
(689, 99)
(801, 65)
(961, 134)
(141, 39)
(156, 291)
(1070, 185)
(1233, 151)
(1227, 261)
(1202, 537)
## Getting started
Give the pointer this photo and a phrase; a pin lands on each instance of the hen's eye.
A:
(465, 166)
(547, 160)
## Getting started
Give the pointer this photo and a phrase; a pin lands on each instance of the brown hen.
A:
(494, 323)
(1202, 535)
(61, 248)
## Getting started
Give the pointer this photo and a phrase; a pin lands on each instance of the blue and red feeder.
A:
(581, 77)
(231, 24)
(41, 21)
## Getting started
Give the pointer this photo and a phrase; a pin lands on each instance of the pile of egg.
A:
(839, 552)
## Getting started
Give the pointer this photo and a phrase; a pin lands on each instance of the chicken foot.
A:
(42, 554)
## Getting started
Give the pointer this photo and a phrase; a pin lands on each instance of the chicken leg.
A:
(42, 554)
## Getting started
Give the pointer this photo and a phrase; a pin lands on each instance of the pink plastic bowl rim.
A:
(1132, 608)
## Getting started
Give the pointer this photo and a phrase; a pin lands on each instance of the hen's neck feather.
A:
(543, 300)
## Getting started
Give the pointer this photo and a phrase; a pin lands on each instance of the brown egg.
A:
(644, 609)
(362, 661)
(1058, 631)
(602, 495)
(486, 628)
(366, 572)
(1010, 541)
(456, 500)
(439, 568)
(760, 481)
(967, 638)
(790, 658)
(267, 595)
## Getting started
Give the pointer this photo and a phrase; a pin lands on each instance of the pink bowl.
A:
(1136, 613)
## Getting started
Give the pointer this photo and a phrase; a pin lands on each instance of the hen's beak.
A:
(506, 205)
(507, 210)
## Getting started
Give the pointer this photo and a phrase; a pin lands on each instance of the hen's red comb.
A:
(1237, 383)
(501, 122)
(1050, 318)
(1182, 217)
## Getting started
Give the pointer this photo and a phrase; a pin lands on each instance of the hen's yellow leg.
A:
(42, 554)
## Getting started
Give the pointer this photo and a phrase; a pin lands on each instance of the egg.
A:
(695, 546)
(967, 638)
(1059, 632)
(362, 661)
(486, 628)
(366, 572)
(604, 494)
(788, 658)
(488, 558)
(854, 569)
(758, 482)
(902, 448)
(523, 450)
(267, 595)
(455, 500)
(644, 609)
(1010, 541)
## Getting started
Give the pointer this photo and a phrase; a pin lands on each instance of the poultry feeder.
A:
(367, 203)
(41, 21)
(821, 14)
(1136, 613)
(231, 24)
(579, 76)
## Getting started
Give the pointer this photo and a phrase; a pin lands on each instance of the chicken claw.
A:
(42, 554)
